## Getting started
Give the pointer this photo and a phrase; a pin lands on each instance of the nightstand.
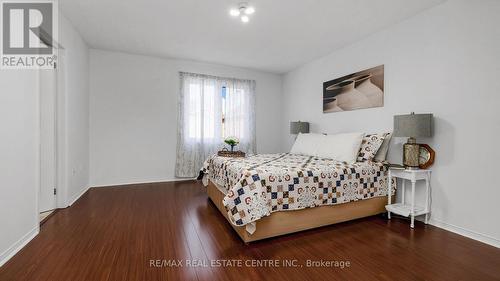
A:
(410, 209)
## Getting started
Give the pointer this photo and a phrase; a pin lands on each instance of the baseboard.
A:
(142, 182)
(467, 233)
(16, 247)
(77, 196)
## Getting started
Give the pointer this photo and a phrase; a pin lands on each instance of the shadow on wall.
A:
(444, 144)
(444, 141)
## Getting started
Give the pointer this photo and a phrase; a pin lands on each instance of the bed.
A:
(268, 195)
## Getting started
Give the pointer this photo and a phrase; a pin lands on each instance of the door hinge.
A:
(55, 191)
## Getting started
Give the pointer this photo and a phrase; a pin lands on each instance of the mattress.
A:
(258, 185)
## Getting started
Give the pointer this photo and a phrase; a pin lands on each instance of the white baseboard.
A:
(142, 182)
(467, 233)
(77, 196)
(16, 247)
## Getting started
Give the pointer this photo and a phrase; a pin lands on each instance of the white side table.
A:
(411, 209)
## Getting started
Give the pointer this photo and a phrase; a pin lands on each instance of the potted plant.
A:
(232, 141)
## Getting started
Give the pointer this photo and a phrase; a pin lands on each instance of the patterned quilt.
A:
(259, 185)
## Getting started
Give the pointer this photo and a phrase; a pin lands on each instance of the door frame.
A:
(60, 135)
(48, 139)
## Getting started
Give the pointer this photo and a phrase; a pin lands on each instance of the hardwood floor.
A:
(116, 233)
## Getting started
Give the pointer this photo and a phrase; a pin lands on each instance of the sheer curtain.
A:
(240, 113)
(201, 131)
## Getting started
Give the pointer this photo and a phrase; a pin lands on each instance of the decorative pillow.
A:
(382, 151)
(369, 146)
(340, 147)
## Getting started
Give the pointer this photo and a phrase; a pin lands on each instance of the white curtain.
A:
(201, 107)
(240, 113)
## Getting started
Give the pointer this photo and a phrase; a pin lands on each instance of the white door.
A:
(48, 153)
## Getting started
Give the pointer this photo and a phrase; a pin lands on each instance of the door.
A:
(48, 133)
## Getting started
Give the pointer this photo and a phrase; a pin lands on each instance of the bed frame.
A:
(280, 223)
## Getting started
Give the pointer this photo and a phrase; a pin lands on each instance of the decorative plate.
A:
(426, 156)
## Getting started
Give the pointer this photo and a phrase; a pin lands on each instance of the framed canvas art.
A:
(362, 89)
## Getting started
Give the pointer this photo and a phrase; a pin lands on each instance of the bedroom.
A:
(105, 130)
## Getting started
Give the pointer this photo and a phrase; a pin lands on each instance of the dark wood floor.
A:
(114, 233)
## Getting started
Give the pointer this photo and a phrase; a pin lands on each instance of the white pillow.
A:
(382, 151)
(340, 147)
(307, 144)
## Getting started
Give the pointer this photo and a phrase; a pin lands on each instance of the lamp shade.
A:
(299, 127)
(413, 125)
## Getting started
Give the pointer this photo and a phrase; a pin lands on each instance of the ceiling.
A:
(281, 35)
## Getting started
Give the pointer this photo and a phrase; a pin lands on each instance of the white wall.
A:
(20, 142)
(133, 114)
(76, 99)
(444, 61)
(19, 159)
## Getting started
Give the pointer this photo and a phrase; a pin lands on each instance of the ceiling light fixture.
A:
(242, 11)
(234, 12)
(249, 10)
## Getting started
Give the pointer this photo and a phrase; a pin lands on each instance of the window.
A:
(233, 109)
(211, 109)
(201, 101)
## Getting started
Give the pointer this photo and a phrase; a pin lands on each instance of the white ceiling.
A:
(281, 35)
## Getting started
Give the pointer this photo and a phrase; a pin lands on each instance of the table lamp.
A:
(299, 127)
(412, 126)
